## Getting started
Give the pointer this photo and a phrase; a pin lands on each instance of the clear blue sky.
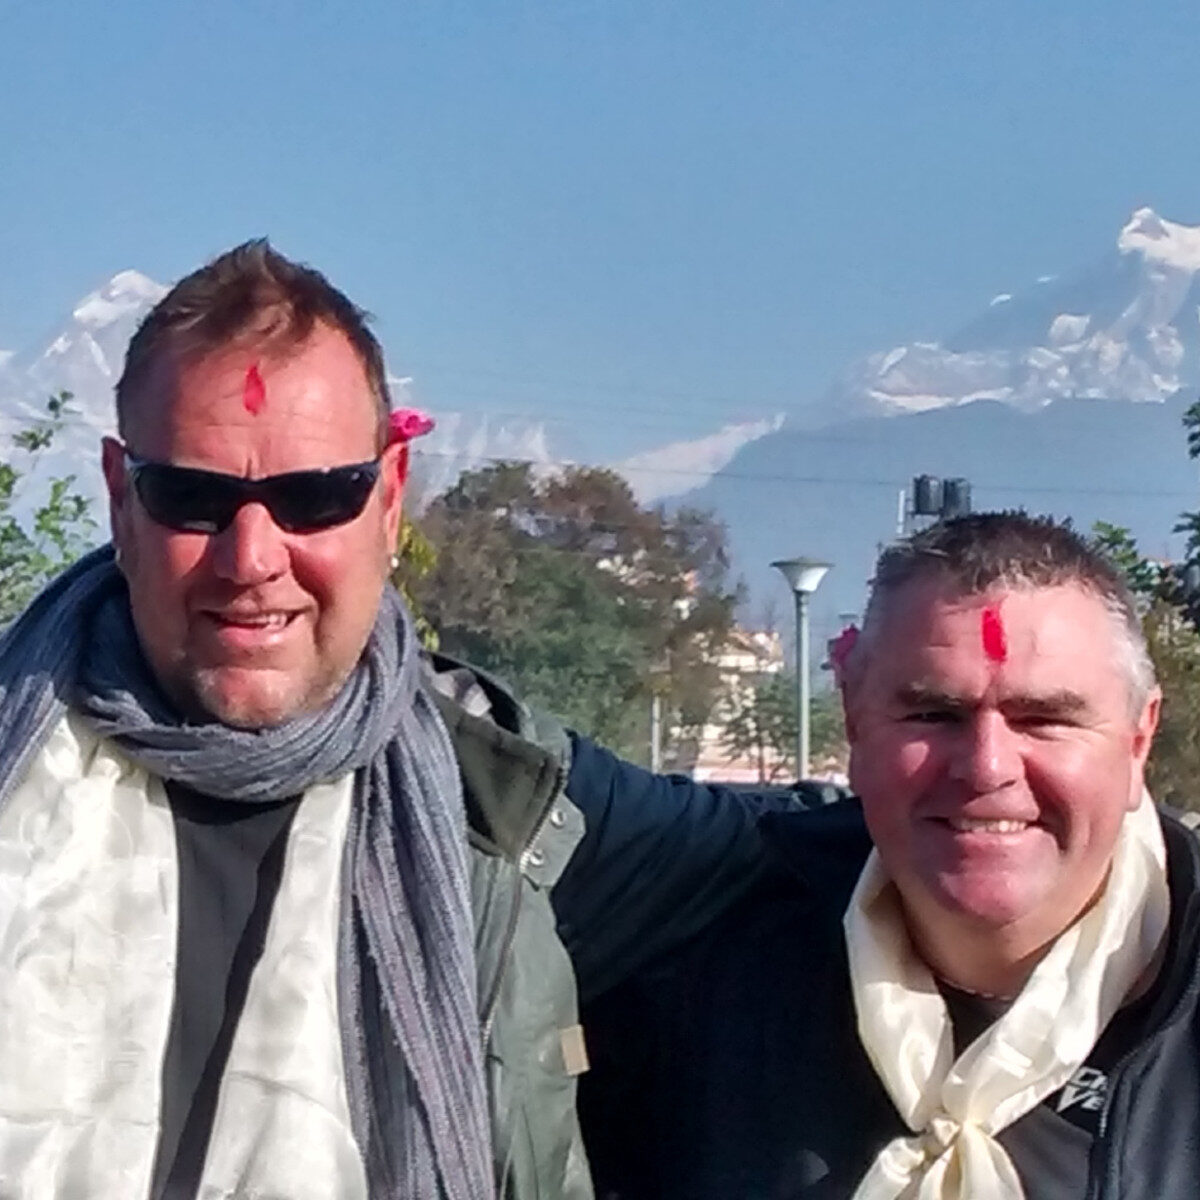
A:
(654, 216)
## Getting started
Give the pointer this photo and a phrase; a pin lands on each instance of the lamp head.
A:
(803, 574)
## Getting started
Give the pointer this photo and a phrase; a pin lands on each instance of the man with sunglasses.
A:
(276, 915)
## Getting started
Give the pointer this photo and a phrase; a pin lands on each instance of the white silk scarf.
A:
(89, 913)
(956, 1107)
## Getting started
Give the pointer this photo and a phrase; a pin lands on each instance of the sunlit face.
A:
(254, 625)
(995, 753)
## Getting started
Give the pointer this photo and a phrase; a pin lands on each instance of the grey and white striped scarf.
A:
(406, 968)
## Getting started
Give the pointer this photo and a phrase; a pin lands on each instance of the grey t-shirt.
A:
(230, 858)
(1050, 1144)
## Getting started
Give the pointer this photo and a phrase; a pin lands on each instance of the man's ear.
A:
(1143, 737)
(393, 471)
(850, 678)
(116, 480)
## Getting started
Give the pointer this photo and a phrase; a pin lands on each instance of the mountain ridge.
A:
(1126, 327)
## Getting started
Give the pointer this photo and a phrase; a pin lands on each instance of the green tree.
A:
(761, 723)
(827, 736)
(1146, 579)
(59, 530)
(1174, 767)
(583, 599)
(415, 558)
(1174, 646)
(573, 653)
(1171, 619)
(1189, 522)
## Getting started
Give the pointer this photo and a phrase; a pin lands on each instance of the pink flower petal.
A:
(407, 423)
(840, 649)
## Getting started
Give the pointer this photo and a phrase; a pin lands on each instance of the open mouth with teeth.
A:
(249, 633)
(987, 825)
(271, 620)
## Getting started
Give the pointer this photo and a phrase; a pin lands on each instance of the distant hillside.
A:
(832, 492)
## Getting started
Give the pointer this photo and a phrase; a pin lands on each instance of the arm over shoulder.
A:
(662, 857)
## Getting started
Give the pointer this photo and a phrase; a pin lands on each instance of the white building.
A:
(748, 657)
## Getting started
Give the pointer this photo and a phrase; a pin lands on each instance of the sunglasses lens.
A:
(191, 501)
(306, 501)
(196, 501)
(299, 502)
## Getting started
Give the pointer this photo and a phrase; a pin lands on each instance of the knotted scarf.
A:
(956, 1107)
(406, 963)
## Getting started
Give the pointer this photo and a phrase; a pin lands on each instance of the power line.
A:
(603, 414)
(826, 480)
(571, 419)
(575, 386)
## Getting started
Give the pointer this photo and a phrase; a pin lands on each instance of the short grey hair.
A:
(972, 554)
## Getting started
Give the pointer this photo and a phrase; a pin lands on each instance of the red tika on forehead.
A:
(995, 644)
(254, 391)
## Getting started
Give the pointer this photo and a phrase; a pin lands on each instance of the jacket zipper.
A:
(560, 782)
(510, 934)
(506, 952)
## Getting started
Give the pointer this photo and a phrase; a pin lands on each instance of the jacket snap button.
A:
(558, 818)
(536, 858)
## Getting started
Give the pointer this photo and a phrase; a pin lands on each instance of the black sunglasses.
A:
(195, 501)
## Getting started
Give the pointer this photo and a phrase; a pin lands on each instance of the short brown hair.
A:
(972, 554)
(251, 293)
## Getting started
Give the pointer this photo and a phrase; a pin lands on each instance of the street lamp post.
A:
(804, 576)
(660, 686)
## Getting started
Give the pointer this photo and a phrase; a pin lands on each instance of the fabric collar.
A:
(955, 1105)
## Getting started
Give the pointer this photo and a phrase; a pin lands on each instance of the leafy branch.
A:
(60, 529)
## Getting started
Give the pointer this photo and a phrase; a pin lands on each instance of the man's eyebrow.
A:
(921, 695)
(1062, 702)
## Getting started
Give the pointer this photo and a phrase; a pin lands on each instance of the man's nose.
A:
(987, 755)
(251, 549)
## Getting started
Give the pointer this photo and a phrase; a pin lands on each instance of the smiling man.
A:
(977, 981)
(275, 891)
(249, 612)
(236, 885)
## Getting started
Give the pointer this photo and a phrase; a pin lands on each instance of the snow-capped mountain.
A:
(83, 357)
(1128, 328)
(682, 466)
